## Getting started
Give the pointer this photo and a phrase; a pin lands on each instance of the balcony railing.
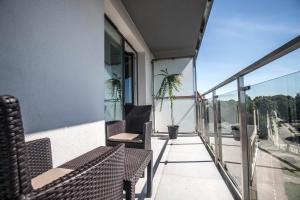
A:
(253, 131)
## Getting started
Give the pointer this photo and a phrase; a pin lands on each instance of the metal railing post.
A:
(217, 156)
(244, 139)
(205, 114)
(198, 103)
(196, 96)
(153, 97)
(219, 132)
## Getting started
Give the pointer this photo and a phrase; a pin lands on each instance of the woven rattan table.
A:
(136, 161)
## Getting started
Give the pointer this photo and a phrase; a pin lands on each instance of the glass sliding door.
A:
(120, 68)
(113, 73)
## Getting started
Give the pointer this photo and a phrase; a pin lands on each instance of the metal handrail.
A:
(176, 97)
(281, 51)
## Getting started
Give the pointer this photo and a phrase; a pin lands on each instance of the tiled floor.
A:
(185, 171)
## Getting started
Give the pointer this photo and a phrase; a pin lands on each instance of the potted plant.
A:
(169, 84)
(235, 130)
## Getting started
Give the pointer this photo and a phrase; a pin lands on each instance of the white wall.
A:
(52, 59)
(184, 109)
(117, 13)
(147, 91)
(70, 142)
(183, 66)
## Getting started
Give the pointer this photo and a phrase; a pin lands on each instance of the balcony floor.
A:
(184, 170)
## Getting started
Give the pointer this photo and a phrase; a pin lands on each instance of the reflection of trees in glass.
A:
(286, 107)
(115, 86)
(250, 110)
(265, 106)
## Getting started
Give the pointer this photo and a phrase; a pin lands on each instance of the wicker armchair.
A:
(101, 178)
(135, 131)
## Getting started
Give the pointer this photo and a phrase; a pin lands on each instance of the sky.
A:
(239, 33)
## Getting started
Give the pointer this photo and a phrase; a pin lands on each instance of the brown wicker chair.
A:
(135, 131)
(101, 178)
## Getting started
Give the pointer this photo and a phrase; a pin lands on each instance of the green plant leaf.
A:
(169, 84)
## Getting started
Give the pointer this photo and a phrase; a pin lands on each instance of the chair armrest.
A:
(101, 178)
(114, 127)
(39, 156)
(147, 133)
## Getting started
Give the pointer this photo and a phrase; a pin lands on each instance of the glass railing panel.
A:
(271, 148)
(229, 133)
(273, 110)
(184, 115)
(287, 64)
(210, 121)
(201, 118)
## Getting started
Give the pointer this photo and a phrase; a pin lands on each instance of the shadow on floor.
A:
(142, 195)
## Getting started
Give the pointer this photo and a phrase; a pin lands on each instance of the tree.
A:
(285, 106)
(264, 105)
(297, 102)
(169, 84)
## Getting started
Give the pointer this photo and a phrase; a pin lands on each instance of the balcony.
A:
(184, 169)
(238, 140)
(214, 165)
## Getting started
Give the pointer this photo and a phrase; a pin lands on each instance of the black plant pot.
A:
(173, 131)
(235, 130)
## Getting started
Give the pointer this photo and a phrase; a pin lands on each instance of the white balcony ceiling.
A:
(171, 28)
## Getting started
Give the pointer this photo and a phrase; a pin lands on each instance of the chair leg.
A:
(149, 179)
(130, 191)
